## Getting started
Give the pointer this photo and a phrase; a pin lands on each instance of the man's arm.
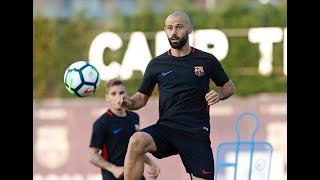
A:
(223, 93)
(137, 101)
(154, 169)
(226, 90)
(96, 159)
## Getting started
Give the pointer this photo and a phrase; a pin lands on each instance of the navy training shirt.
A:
(111, 134)
(183, 83)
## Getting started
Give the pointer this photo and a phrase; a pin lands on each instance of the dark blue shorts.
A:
(194, 148)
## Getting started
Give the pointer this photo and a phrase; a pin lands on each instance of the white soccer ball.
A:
(81, 79)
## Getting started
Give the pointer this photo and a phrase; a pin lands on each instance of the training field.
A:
(62, 129)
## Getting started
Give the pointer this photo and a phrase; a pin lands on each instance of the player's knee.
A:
(138, 142)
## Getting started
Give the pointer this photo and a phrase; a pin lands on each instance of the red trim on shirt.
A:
(169, 52)
(208, 107)
(109, 112)
(159, 100)
(150, 93)
(104, 153)
(192, 51)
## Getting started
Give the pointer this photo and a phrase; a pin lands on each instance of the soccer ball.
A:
(81, 79)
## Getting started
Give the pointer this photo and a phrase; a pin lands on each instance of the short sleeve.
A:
(136, 119)
(97, 136)
(218, 75)
(149, 81)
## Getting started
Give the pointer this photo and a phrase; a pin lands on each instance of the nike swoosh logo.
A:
(206, 172)
(116, 131)
(87, 91)
(166, 73)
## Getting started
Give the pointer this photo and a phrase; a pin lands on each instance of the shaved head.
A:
(179, 14)
(178, 28)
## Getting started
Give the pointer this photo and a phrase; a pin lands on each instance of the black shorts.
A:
(106, 175)
(194, 148)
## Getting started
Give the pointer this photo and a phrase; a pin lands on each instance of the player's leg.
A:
(139, 144)
(154, 139)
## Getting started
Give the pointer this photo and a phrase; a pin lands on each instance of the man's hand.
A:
(154, 171)
(212, 97)
(118, 172)
(123, 101)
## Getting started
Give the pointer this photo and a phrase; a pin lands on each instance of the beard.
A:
(181, 43)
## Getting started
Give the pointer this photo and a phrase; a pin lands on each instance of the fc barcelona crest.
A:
(198, 70)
